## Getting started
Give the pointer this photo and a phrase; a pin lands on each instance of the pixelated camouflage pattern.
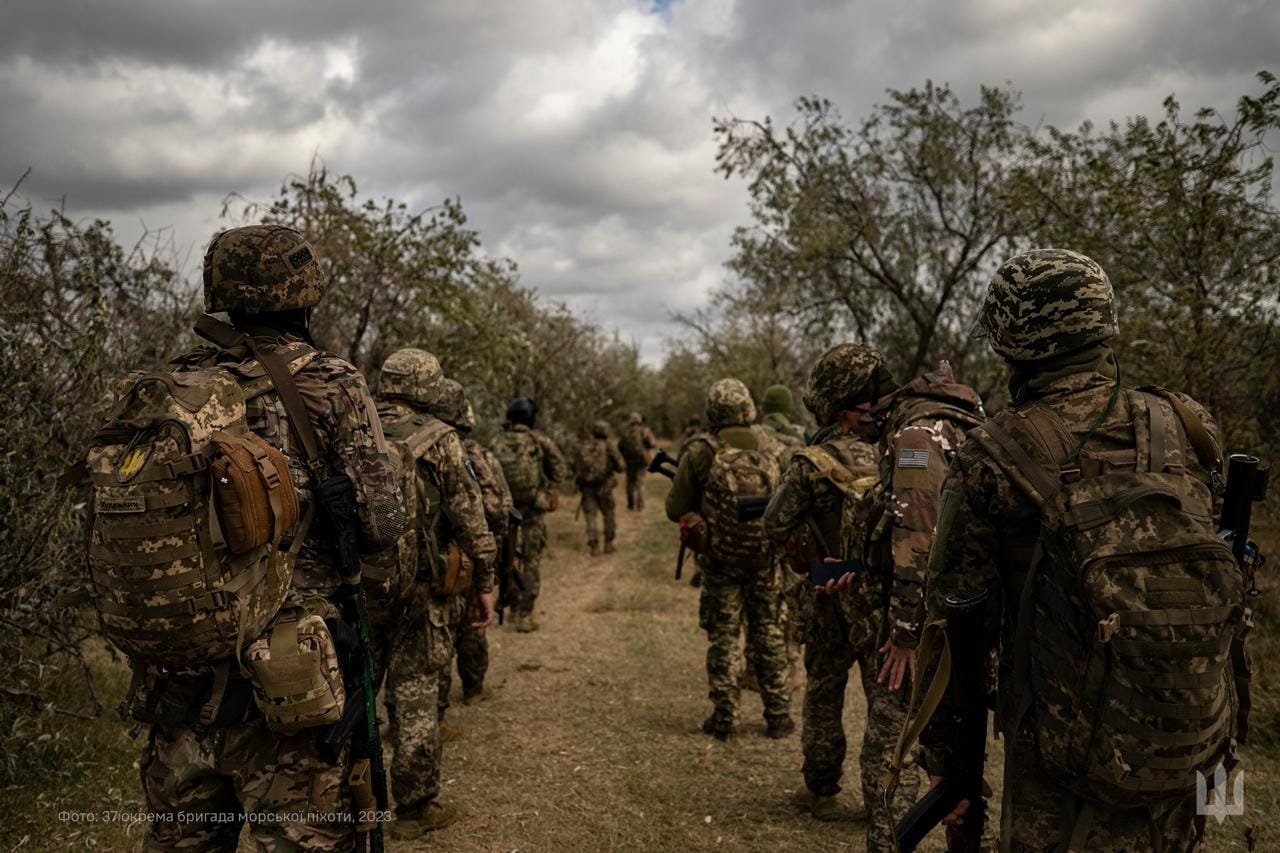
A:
(261, 268)
(493, 486)
(636, 446)
(413, 375)
(297, 685)
(730, 599)
(531, 463)
(1047, 302)
(422, 652)
(737, 472)
(155, 593)
(924, 424)
(729, 404)
(596, 461)
(450, 404)
(986, 539)
(840, 375)
(202, 779)
(531, 546)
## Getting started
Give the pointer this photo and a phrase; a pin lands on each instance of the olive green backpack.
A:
(737, 473)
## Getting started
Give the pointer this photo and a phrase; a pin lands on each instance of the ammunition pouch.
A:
(253, 492)
(297, 679)
(695, 535)
(456, 576)
(547, 500)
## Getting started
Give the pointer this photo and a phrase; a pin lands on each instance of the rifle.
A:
(1246, 485)
(967, 732)
(752, 507)
(663, 463)
(507, 571)
(336, 500)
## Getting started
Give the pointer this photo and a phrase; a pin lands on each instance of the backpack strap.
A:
(422, 440)
(1035, 480)
(1207, 450)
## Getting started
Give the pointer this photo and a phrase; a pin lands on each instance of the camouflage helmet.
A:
(777, 399)
(260, 268)
(452, 406)
(729, 404)
(635, 418)
(1047, 302)
(845, 376)
(522, 410)
(413, 375)
(600, 429)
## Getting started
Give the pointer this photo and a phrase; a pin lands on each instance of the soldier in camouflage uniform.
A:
(472, 643)
(746, 584)
(636, 446)
(533, 467)
(692, 429)
(596, 460)
(918, 427)
(807, 515)
(268, 279)
(455, 559)
(779, 409)
(1050, 314)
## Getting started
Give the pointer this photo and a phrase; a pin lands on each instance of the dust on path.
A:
(591, 738)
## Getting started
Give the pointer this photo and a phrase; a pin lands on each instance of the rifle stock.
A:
(1246, 485)
(663, 463)
(507, 573)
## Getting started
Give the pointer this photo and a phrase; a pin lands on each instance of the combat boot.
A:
(780, 727)
(822, 807)
(608, 547)
(525, 623)
(476, 696)
(717, 726)
(417, 822)
(450, 731)
(594, 548)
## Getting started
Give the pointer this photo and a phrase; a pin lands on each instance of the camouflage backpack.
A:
(388, 576)
(187, 513)
(631, 445)
(521, 459)
(591, 465)
(737, 472)
(853, 477)
(1130, 607)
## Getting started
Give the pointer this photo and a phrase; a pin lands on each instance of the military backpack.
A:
(187, 515)
(632, 445)
(737, 472)
(1130, 606)
(521, 458)
(591, 464)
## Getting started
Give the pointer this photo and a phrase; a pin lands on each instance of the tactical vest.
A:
(591, 466)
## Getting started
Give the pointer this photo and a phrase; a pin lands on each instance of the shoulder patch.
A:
(909, 457)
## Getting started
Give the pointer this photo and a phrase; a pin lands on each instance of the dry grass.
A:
(591, 738)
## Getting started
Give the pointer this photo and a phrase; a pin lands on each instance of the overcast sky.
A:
(576, 132)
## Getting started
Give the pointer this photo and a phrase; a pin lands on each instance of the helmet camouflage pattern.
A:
(841, 379)
(777, 398)
(452, 406)
(413, 375)
(1047, 302)
(729, 404)
(260, 268)
(600, 429)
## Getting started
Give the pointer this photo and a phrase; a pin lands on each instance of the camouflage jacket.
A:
(635, 445)
(450, 506)
(989, 527)
(350, 442)
(780, 429)
(493, 486)
(614, 463)
(924, 423)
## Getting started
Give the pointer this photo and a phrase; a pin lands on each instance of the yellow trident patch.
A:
(132, 462)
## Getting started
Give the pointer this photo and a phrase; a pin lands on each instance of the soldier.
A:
(455, 559)
(778, 411)
(739, 572)
(267, 278)
(692, 429)
(472, 644)
(533, 466)
(918, 428)
(1073, 429)
(636, 446)
(595, 461)
(807, 515)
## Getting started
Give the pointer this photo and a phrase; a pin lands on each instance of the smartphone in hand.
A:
(821, 573)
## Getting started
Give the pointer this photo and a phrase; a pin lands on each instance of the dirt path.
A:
(591, 738)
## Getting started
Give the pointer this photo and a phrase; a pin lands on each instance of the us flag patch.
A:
(913, 458)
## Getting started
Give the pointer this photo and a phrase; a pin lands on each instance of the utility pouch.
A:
(296, 676)
(694, 533)
(547, 500)
(458, 568)
(253, 493)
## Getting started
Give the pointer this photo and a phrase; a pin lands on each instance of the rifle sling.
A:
(918, 716)
(1206, 448)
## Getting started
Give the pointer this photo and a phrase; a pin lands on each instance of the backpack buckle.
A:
(1107, 627)
(1120, 769)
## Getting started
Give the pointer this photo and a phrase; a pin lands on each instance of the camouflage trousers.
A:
(597, 503)
(730, 598)
(422, 651)
(471, 654)
(207, 780)
(635, 486)
(531, 544)
(1040, 816)
(838, 635)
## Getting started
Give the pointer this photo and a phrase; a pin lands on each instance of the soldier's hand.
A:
(898, 665)
(956, 818)
(844, 583)
(485, 600)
